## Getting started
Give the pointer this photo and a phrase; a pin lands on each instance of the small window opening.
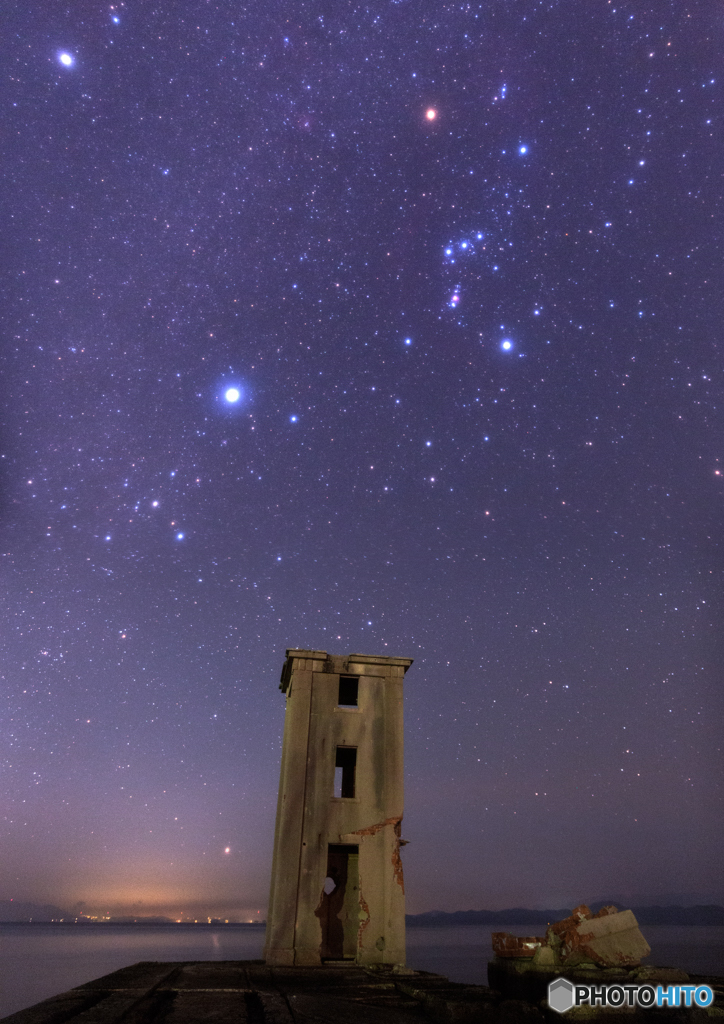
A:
(344, 771)
(348, 687)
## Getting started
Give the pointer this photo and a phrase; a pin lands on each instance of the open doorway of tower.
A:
(338, 909)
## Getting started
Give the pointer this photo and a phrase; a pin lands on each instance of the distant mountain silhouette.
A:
(517, 915)
(705, 914)
(657, 899)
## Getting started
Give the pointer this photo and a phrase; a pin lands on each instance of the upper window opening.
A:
(344, 773)
(348, 689)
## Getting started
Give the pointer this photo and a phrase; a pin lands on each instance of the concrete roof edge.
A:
(379, 659)
(356, 659)
(297, 652)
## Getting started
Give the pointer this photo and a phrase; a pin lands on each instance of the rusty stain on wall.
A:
(396, 859)
(372, 830)
(364, 917)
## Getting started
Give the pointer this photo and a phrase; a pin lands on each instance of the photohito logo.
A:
(563, 995)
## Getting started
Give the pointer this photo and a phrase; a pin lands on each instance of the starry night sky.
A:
(459, 265)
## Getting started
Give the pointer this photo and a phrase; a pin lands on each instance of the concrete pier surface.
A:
(250, 992)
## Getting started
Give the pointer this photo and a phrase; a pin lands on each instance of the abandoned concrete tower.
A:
(337, 890)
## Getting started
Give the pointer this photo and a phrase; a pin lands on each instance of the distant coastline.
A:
(12, 912)
(16, 912)
(135, 922)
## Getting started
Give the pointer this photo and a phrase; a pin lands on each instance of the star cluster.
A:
(389, 328)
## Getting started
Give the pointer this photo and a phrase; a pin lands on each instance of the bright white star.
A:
(66, 59)
(232, 395)
(506, 344)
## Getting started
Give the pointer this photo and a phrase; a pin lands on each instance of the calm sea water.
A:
(38, 961)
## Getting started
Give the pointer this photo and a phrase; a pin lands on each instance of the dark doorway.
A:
(338, 910)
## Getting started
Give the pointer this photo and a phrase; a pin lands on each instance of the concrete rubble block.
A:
(605, 911)
(544, 956)
(610, 941)
(562, 936)
(581, 913)
(507, 945)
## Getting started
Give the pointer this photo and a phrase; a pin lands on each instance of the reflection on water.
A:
(38, 961)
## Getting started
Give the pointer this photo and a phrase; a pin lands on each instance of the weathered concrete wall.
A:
(310, 818)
